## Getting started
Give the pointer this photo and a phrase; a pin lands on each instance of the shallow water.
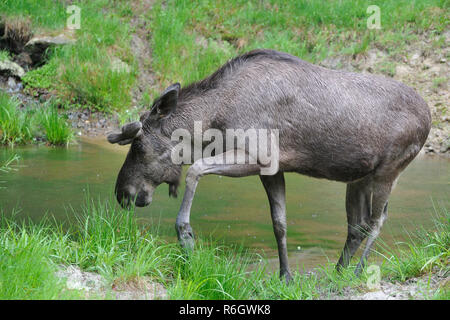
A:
(51, 180)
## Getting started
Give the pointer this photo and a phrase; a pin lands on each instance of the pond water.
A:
(51, 180)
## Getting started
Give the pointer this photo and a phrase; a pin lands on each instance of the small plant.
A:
(20, 126)
(16, 126)
(57, 131)
(43, 77)
(26, 270)
(4, 55)
(426, 251)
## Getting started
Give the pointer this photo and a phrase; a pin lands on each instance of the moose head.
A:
(148, 163)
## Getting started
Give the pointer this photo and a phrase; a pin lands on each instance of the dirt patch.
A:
(94, 285)
(418, 288)
(140, 46)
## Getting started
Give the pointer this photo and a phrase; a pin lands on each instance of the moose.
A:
(360, 129)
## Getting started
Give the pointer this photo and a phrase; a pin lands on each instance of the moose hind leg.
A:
(275, 189)
(378, 216)
(358, 207)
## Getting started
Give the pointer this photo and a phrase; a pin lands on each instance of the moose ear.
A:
(128, 133)
(167, 102)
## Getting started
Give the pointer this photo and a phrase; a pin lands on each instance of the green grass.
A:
(425, 252)
(16, 126)
(43, 77)
(23, 125)
(215, 272)
(112, 242)
(191, 39)
(4, 55)
(57, 131)
(82, 74)
(26, 271)
(203, 34)
(45, 14)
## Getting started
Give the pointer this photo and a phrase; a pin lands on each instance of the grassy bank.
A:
(26, 125)
(111, 242)
(204, 34)
(82, 75)
(190, 39)
(126, 52)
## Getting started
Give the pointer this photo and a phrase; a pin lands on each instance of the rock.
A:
(11, 68)
(375, 295)
(142, 289)
(444, 148)
(94, 284)
(11, 82)
(38, 45)
(48, 41)
(13, 86)
(81, 280)
(24, 59)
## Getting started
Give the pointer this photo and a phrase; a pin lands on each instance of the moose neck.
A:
(192, 114)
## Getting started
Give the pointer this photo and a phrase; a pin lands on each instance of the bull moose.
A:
(360, 129)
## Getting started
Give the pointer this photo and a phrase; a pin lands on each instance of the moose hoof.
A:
(185, 236)
(286, 276)
(358, 270)
(340, 267)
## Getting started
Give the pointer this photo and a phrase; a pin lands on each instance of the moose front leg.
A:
(201, 167)
(275, 188)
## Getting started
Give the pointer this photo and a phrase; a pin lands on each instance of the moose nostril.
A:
(141, 199)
